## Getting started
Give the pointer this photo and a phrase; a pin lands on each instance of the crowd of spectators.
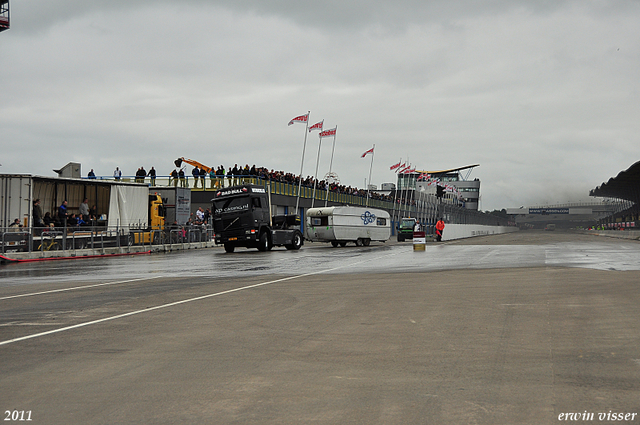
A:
(220, 177)
(62, 218)
(236, 175)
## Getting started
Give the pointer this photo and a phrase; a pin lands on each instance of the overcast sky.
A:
(544, 95)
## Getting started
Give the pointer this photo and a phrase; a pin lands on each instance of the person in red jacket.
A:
(439, 229)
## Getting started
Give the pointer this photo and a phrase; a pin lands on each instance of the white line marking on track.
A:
(158, 307)
(77, 287)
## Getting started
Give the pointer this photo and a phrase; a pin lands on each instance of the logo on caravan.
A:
(368, 218)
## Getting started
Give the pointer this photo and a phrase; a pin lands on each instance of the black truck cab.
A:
(242, 218)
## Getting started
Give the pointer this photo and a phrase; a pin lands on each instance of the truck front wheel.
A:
(296, 242)
(263, 244)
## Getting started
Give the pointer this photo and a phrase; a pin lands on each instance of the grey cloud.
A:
(532, 91)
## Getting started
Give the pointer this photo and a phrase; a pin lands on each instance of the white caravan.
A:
(340, 225)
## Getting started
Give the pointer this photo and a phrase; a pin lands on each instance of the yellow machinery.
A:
(180, 160)
(156, 221)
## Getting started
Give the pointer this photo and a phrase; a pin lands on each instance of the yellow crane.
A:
(180, 160)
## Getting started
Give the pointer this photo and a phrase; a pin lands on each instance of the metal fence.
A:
(39, 239)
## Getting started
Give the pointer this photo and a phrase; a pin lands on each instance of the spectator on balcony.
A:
(183, 180)
(195, 173)
(203, 174)
(140, 175)
(37, 214)
(72, 221)
(15, 226)
(174, 178)
(48, 220)
(62, 213)
(84, 209)
(152, 175)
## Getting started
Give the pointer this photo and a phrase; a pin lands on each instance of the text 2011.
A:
(17, 415)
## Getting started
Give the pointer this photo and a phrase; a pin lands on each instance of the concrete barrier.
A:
(621, 234)
(102, 252)
(461, 231)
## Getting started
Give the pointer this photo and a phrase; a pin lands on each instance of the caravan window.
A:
(381, 222)
(320, 221)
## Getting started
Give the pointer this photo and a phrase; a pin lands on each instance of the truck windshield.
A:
(231, 205)
(407, 223)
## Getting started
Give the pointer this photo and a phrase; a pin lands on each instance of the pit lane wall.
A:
(462, 231)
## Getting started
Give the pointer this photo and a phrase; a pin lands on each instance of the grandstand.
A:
(568, 215)
(618, 208)
(625, 187)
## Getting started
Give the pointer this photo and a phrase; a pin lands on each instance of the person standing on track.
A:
(439, 229)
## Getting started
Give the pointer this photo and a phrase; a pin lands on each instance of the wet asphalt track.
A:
(533, 249)
(514, 328)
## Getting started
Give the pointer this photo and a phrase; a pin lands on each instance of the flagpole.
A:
(403, 198)
(413, 193)
(315, 177)
(373, 152)
(304, 147)
(326, 201)
(395, 198)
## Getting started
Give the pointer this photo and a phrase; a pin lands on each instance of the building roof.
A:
(449, 171)
(626, 185)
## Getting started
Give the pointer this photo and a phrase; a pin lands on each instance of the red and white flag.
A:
(404, 164)
(393, 167)
(301, 119)
(317, 126)
(404, 169)
(328, 133)
(370, 151)
(409, 170)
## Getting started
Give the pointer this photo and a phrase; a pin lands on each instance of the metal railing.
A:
(426, 207)
(41, 239)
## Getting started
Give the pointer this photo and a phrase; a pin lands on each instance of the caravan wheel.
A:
(334, 244)
(359, 242)
(366, 242)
